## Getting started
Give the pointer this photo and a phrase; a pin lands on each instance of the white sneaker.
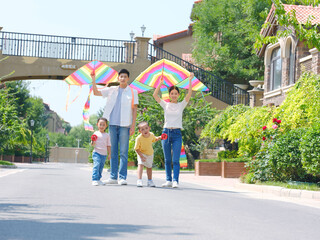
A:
(167, 184)
(95, 183)
(101, 182)
(122, 182)
(151, 184)
(110, 181)
(175, 184)
(139, 183)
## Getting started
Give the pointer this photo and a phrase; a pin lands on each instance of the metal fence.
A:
(62, 47)
(219, 88)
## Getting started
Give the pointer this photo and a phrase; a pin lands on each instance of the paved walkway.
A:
(303, 197)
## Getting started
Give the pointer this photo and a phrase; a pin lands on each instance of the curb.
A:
(8, 166)
(280, 191)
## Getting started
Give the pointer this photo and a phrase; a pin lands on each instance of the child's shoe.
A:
(150, 183)
(139, 183)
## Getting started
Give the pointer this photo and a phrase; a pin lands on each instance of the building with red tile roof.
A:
(288, 58)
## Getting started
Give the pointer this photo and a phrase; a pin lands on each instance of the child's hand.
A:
(143, 158)
(109, 157)
(158, 138)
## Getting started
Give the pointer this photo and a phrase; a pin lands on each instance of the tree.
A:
(304, 31)
(224, 32)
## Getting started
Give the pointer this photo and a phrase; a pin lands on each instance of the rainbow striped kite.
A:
(173, 75)
(104, 74)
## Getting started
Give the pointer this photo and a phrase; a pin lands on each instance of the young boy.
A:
(143, 147)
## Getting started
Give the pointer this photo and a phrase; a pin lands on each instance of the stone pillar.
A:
(142, 47)
(256, 94)
(315, 60)
(129, 52)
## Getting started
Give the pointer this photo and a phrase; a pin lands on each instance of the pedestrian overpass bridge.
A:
(35, 56)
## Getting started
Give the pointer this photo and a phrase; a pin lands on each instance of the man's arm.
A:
(96, 92)
(134, 117)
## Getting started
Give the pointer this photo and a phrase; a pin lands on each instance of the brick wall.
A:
(208, 168)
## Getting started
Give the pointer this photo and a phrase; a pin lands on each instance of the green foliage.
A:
(225, 32)
(302, 104)
(217, 128)
(285, 157)
(2, 162)
(247, 129)
(310, 153)
(227, 154)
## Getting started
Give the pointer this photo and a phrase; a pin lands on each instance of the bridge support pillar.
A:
(142, 47)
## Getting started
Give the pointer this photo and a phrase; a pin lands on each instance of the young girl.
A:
(172, 127)
(102, 148)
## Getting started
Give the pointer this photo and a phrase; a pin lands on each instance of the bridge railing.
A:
(62, 47)
(219, 88)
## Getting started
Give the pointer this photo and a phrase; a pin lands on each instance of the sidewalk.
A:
(304, 197)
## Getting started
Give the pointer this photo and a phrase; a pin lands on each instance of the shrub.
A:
(310, 152)
(228, 154)
(285, 157)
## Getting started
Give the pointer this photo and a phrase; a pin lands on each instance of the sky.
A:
(104, 19)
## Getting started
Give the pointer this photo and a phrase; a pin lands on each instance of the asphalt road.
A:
(57, 201)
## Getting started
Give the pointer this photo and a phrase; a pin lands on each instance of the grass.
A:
(293, 185)
(5, 163)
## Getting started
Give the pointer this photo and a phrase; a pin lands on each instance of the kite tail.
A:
(85, 114)
(165, 93)
(68, 95)
(183, 158)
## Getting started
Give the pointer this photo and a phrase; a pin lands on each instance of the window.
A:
(276, 69)
(291, 66)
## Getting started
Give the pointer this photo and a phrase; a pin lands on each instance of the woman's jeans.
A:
(98, 164)
(119, 136)
(172, 149)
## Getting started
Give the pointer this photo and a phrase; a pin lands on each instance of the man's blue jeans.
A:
(172, 149)
(98, 164)
(119, 136)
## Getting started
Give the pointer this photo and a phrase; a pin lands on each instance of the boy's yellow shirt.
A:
(144, 144)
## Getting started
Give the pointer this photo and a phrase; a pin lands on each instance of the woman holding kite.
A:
(172, 128)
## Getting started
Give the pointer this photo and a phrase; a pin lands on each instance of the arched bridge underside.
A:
(34, 56)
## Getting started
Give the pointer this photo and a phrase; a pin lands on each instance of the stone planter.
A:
(232, 169)
(223, 169)
(207, 168)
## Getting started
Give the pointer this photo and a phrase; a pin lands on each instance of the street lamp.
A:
(131, 35)
(47, 145)
(31, 125)
(143, 28)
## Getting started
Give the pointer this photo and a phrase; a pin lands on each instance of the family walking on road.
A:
(120, 114)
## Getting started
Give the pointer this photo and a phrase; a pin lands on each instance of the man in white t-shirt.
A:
(121, 112)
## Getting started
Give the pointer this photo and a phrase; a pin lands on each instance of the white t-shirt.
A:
(103, 141)
(173, 113)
